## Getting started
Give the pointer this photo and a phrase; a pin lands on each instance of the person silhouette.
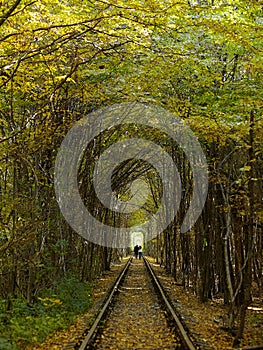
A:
(136, 250)
(140, 252)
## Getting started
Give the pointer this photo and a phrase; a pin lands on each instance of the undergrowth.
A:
(55, 309)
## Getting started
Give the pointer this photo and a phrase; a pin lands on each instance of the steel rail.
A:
(92, 331)
(182, 332)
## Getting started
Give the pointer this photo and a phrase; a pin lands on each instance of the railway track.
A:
(137, 315)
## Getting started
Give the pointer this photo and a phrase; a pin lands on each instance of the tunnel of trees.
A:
(201, 60)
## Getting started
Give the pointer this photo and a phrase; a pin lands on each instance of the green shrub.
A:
(54, 310)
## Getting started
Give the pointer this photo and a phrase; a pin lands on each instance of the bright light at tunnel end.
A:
(84, 131)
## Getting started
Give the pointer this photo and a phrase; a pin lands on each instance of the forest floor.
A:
(204, 320)
(137, 320)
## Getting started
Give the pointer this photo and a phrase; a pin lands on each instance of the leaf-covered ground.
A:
(204, 320)
(207, 320)
(137, 320)
(66, 339)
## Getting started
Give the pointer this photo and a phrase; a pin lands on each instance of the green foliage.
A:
(61, 59)
(69, 294)
(26, 323)
(5, 344)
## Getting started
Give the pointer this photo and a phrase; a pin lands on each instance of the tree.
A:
(202, 60)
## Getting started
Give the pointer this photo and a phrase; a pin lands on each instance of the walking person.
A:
(140, 252)
(136, 250)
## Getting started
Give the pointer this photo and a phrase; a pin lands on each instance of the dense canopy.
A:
(202, 61)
